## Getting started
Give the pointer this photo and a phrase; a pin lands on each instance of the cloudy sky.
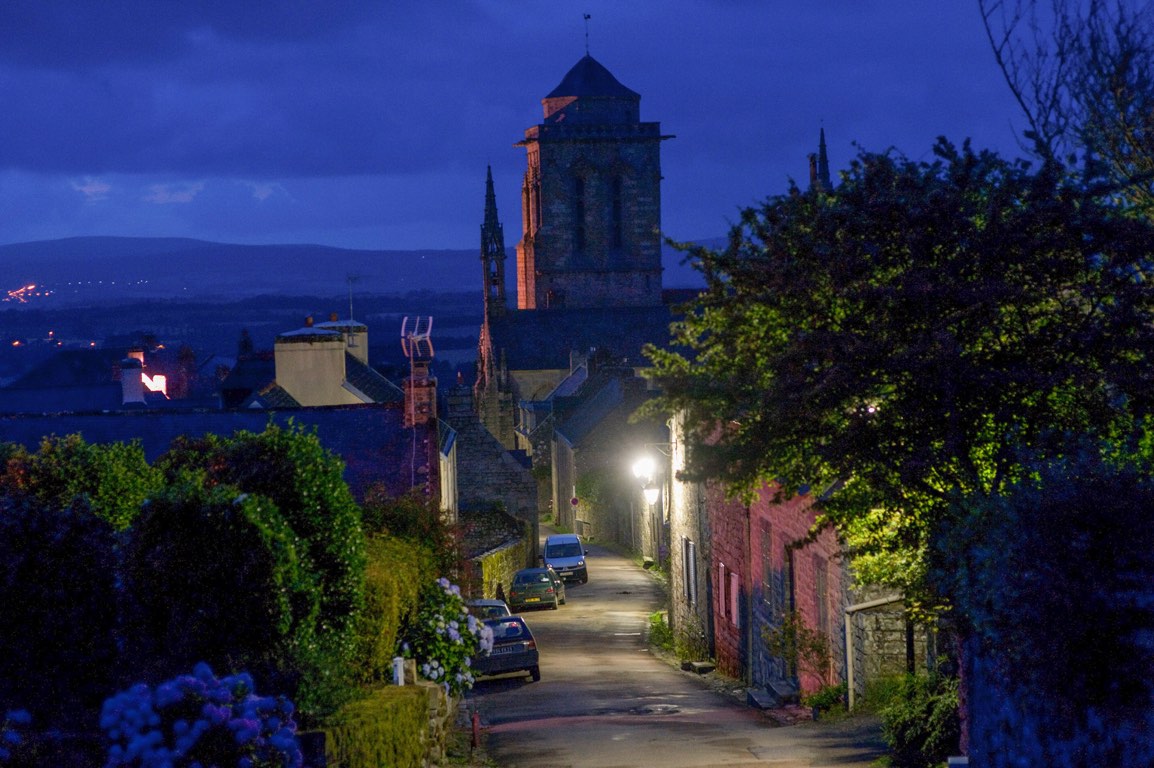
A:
(370, 124)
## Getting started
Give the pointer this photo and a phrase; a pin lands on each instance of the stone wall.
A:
(488, 474)
(495, 568)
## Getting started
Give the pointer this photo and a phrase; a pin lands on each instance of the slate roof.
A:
(271, 397)
(372, 440)
(603, 407)
(541, 339)
(589, 78)
(367, 381)
(592, 412)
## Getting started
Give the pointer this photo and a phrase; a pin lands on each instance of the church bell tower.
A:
(591, 198)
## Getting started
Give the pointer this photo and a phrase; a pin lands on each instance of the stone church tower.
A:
(591, 198)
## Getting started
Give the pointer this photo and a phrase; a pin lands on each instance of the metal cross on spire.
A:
(587, 34)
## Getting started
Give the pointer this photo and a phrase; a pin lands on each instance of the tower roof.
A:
(589, 77)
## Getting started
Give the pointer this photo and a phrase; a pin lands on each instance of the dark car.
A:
(487, 608)
(536, 588)
(514, 649)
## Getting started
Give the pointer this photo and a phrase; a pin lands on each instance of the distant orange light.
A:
(16, 343)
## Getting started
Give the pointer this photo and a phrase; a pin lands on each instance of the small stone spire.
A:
(493, 252)
(819, 168)
(823, 164)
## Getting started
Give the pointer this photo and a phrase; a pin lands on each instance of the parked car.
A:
(487, 608)
(536, 588)
(514, 649)
(565, 553)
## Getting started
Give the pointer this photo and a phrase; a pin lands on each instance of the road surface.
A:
(605, 701)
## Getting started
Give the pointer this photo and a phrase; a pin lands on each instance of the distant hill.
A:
(98, 269)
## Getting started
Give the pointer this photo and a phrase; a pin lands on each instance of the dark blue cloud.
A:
(374, 122)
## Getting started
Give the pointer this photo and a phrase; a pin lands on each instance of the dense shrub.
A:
(1051, 583)
(417, 518)
(384, 728)
(58, 632)
(214, 575)
(393, 576)
(111, 480)
(920, 724)
(306, 483)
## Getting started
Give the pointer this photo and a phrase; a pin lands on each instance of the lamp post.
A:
(647, 472)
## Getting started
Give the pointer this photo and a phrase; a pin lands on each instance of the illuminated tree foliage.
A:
(909, 334)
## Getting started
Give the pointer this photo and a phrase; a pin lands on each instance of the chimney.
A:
(309, 321)
(332, 317)
(131, 385)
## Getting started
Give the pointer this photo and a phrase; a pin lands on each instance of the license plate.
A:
(503, 649)
(532, 599)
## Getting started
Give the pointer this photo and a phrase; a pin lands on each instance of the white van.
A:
(565, 552)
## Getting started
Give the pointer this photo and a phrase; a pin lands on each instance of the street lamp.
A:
(645, 470)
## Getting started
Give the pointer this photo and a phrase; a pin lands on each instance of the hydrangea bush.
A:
(443, 637)
(199, 721)
(10, 732)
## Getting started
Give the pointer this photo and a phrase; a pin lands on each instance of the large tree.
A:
(908, 336)
(1083, 73)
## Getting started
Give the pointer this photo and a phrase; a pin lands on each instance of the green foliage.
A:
(660, 633)
(921, 724)
(803, 648)
(214, 575)
(827, 698)
(594, 487)
(395, 571)
(384, 728)
(58, 636)
(1050, 578)
(306, 484)
(112, 480)
(417, 518)
(879, 693)
(909, 333)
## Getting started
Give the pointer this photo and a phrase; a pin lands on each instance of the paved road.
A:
(604, 701)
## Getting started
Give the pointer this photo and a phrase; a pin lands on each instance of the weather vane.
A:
(587, 34)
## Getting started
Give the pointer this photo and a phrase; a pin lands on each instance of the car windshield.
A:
(508, 630)
(532, 578)
(568, 549)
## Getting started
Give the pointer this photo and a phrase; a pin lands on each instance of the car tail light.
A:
(531, 645)
(549, 590)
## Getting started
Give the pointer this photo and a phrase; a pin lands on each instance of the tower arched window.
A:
(579, 213)
(615, 213)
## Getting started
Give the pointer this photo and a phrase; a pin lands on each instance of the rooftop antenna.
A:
(350, 279)
(586, 34)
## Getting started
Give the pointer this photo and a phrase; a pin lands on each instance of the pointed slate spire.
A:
(823, 164)
(819, 168)
(493, 252)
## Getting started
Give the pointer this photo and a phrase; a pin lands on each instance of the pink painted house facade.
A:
(766, 564)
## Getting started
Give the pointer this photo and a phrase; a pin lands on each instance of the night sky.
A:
(370, 124)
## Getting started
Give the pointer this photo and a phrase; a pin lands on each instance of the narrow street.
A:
(605, 701)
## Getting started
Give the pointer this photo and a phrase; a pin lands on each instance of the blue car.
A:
(514, 649)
